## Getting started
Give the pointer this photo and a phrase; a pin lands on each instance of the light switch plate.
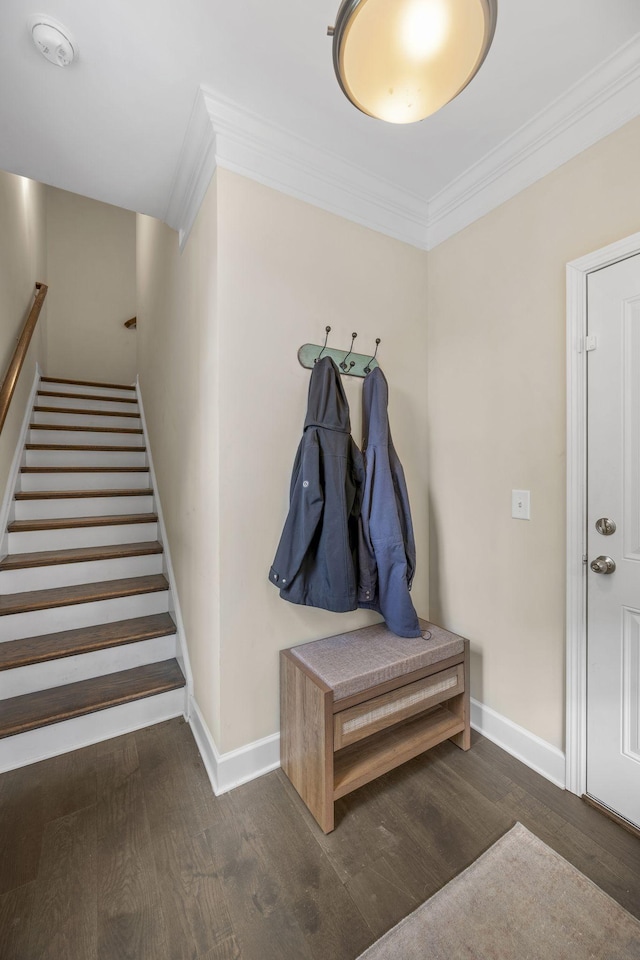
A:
(521, 504)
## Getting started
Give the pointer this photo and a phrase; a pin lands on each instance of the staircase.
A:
(88, 649)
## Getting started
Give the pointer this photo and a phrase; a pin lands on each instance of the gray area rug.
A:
(519, 901)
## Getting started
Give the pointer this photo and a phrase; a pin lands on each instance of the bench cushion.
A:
(355, 661)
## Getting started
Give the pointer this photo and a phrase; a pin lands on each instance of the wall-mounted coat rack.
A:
(348, 362)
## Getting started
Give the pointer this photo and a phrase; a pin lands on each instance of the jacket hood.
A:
(327, 406)
(375, 400)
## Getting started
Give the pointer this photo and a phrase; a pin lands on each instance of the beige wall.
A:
(284, 270)
(22, 263)
(177, 358)
(91, 249)
(496, 401)
(219, 330)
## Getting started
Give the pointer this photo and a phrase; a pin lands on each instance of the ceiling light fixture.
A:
(53, 40)
(401, 60)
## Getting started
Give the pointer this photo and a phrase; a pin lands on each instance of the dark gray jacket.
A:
(316, 560)
(387, 555)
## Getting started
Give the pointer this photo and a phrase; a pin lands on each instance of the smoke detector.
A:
(53, 40)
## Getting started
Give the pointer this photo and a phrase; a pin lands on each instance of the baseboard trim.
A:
(229, 770)
(536, 753)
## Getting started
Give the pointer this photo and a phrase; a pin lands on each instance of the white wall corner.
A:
(196, 166)
(601, 102)
(8, 503)
(229, 770)
(536, 753)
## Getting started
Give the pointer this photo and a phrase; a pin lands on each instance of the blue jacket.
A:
(387, 553)
(316, 560)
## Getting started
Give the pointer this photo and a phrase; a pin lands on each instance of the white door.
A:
(613, 624)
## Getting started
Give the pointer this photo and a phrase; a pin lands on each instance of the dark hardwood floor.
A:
(121, 851)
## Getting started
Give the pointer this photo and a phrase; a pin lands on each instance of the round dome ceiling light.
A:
(53, 40)
(401, 60)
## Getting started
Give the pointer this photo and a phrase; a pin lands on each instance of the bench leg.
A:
(306, 740)
(461, 706)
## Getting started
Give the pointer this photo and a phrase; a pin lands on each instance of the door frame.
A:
(576, 531)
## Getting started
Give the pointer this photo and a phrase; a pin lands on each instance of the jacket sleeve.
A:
(305, 512)
(404, 515)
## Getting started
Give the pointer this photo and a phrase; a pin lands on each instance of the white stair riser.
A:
(31, 541)
(83, 481)
(70, 574)
(17, 626)
(77, 403)
(90, 437)
(85, 458)
(25, 748)
(84, 420)
(81, 507)
(73, 388)
(85, 666)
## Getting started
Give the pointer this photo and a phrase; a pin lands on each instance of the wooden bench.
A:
(356, 705)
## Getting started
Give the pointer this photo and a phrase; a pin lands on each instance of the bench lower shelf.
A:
(366, 760)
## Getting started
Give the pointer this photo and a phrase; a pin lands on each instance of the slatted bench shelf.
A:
(360, 704)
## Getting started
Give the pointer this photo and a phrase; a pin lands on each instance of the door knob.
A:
(603, 565)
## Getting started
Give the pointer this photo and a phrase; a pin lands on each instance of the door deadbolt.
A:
(605, 526)
(603, 565)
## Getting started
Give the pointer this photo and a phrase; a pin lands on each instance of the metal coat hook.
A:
(367, 369)
(324, 346)
(351, 364)
(343, 365)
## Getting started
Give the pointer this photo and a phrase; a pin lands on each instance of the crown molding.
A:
(195, 169)
(222, 133)
(601, 102)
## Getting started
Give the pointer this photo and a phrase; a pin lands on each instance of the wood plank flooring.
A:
(121, 851)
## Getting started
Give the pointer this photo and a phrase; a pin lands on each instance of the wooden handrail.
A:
(131, 324)
(13, 371)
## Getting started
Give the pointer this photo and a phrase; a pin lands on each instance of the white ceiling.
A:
(112, 125)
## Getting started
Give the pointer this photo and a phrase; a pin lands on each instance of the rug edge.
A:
(517, 828)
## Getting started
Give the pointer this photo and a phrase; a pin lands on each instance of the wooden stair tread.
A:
(41, 709)
(70, 643)
(84, 469)
(48, 558)
(31, 600)
(83, 447)
(88, 383)
(83, 494)
(70, 523)
(84, 411)
(84, 396)
(73, 428)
